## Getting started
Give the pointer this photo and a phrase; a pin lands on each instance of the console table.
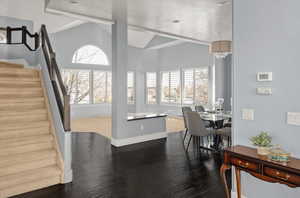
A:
(246, 159)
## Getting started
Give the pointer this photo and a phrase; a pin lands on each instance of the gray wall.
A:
(65, 43)
(17, 51)
(185, 55)
(266, 38)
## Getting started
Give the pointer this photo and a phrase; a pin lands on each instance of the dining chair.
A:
(199, 108)
(196, 127)
(225, 133)
(184, 110)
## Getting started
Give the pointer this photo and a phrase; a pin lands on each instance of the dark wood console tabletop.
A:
(246, 159)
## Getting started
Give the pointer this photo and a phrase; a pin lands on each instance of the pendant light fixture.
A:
(221, 48)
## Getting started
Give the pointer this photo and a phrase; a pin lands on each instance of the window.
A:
(102, 86)
(130, 88)
(170, 89)
(201, 86)
(188, 87)
(77, 84)
(3, 35)
(90, 54)
(151, 88)
(194, 87)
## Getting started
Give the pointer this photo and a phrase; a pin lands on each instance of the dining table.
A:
(216, 120)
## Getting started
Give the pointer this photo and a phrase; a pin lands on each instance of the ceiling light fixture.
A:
(222, 3)
(220, 48)
(176, 21)
(74, 2)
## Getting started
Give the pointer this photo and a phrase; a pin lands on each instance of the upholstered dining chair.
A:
(199, 108)
(184, 110)
(225, 133)
(196, 127)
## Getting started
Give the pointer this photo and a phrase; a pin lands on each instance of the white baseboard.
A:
(68, 176)
(138, 139)
(234, 195)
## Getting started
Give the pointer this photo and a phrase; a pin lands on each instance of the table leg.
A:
(223, 170)
(238, 182)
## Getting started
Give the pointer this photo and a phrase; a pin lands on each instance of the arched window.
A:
(90, 54)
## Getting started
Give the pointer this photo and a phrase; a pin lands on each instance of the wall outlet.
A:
(264, 91)
(293, 118)
(248, 114)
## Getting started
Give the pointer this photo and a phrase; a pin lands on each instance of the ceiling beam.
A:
(130, 26)
(80, 16)
(166, 44)
(68, 26)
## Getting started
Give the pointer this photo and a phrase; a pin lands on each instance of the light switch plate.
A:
(293, 118)
(264, 91)
(264, 76)
(248, 114)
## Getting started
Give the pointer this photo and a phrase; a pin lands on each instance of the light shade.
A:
(220, 48)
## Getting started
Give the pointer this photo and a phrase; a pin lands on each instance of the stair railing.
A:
(42, 39)
(61, 94)
(24, 35)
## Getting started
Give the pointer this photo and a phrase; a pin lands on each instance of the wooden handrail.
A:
(62, 97)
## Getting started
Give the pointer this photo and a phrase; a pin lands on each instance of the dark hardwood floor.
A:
(156, 169)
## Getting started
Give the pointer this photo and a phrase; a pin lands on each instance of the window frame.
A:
(180, 85)
(133, 87)
(91, 84)
(156, 88)
(95, 64)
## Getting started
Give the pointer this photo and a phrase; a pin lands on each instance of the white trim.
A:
(138, 139)
(167, 44)
(234, 195)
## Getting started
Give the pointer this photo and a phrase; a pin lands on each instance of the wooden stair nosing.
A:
(23, 112)
(26, 148)
(24, 133)
(4, 64)
(16, 84)
(22, 141)
(22, 119)
(27, 157)
(29, 176)
(39, 184)
(18, 168)
(19, 126)
(19, 107)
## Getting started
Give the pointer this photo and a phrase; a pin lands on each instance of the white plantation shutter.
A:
(130, 88)
(151, 87)
(174, 87)
(165, 87)
(151, 79)
(188, 86)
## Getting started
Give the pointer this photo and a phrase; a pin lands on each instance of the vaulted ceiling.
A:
(203, 20)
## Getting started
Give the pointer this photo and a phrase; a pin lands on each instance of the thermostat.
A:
(264, 76)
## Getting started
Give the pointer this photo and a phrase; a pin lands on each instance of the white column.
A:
(119, 69)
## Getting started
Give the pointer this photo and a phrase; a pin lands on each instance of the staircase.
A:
(29, 153)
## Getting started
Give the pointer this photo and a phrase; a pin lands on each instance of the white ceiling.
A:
(33, 10)
(200, 20)
(203, 20)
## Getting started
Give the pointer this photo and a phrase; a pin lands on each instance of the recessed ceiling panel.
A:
(204, 20)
